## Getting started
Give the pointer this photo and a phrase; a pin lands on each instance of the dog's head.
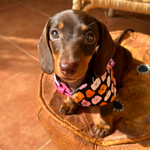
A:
(68, 43)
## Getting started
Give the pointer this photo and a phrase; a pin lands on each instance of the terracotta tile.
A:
(48, 6)
(141, 17)
(101, 15)
(12, 60)
(4, 4)
(129, 23)
(122, 13)
(20, 128)
(28, 37)
(16, 18)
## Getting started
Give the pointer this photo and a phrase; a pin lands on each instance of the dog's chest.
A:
(98, 91)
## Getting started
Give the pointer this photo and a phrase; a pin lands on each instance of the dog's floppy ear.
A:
(45, 54)
(105, 52)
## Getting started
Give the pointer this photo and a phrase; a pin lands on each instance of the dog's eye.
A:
(90, 37)
(55, 35)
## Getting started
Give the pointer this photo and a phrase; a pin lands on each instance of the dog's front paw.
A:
(67, 109)
(102, 130)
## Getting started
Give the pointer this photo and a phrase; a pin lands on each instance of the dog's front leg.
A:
(105, 123)
(68, 106)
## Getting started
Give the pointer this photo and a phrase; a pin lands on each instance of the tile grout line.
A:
(49, 15)
(17, 74)
(129, 16)
(123, 17)
(19, 48)
(116, 21)
(9, 7)
(139, 20)
(25, 5)
(44, 144)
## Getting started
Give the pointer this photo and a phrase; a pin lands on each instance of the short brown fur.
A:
(83, 45)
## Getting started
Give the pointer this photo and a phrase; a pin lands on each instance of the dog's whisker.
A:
(91, 24)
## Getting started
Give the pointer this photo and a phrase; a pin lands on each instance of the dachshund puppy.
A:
(77, 48)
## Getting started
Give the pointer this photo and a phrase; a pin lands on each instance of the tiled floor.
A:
(21, 24)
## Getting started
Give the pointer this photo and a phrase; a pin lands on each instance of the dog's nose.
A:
(68, 68)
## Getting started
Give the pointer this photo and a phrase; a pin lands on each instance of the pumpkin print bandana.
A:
(98, 92)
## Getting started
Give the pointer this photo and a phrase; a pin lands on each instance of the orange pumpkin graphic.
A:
(78, 96)
(102, 89)
(103, 103)
(89, 93)
(113, 97)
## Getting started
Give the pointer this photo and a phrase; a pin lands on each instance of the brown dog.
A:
(73, 45)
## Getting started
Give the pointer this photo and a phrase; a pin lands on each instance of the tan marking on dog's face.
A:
(60, 25)
(81, 68)
(56, 60)
(84, 27)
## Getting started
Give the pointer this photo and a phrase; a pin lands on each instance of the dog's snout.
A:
(68, 68)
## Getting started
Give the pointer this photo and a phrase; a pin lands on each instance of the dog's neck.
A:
(90, 73)
(74, 85)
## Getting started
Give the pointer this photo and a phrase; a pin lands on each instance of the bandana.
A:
(98, 91)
